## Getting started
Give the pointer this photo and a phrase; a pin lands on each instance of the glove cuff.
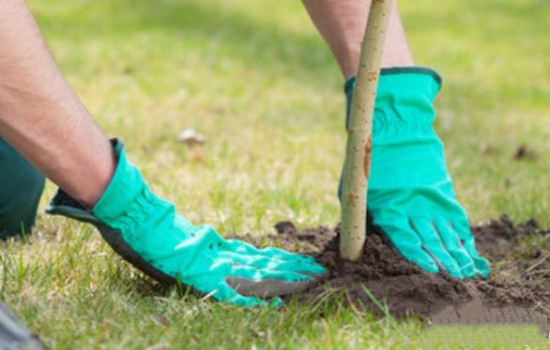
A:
(349, 85)
(404, 99)
(125, 187)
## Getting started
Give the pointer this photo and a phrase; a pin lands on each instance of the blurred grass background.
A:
(256, 79)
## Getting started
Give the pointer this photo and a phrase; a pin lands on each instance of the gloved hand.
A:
(410, 194)
(146, 231)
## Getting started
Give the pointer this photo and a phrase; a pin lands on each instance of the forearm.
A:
(342, 24)
(42, 117)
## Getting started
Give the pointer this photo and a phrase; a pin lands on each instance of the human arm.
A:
(41, 116)
(411, 194)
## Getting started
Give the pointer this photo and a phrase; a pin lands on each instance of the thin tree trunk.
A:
(359, 144)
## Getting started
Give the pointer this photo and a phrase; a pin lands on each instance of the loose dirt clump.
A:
(523, 152)
(518, 290)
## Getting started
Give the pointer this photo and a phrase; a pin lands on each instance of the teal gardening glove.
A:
(410, 194)
(146, 231)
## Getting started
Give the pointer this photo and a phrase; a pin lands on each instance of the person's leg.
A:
(410, 194)
(342, 24)
(20, 188)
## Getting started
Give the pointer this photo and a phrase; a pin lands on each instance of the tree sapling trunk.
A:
(358, 148)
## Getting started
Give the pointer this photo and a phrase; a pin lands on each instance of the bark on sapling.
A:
(358, 148)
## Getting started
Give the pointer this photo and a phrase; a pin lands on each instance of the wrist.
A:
(349, 84)
(124, 188)
(404, 100)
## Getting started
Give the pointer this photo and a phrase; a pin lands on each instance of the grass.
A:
(256, 79)
(503, 336)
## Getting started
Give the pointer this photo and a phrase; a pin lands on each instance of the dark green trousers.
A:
(20, 188)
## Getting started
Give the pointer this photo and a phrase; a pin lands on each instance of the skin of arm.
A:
(41, 116)
(342, 24)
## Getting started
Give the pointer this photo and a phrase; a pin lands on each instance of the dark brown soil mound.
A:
(518, 290)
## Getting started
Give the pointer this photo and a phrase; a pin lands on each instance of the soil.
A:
(518, 290)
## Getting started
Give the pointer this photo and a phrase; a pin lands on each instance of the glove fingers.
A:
(207, 236)
(255, 274)
(219, 290)
(286, 255)
(245, 286)
(482, 265)
(251, 301)
(249, 249)
(228, 295)
(399, 231)
(261, 262)
(454, 247)
(267, 283)
(433, 243)
(267, 288)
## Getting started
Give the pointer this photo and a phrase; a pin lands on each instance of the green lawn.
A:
(256, 79)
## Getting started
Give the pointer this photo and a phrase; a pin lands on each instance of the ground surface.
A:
(517, 292)
(255, 79)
